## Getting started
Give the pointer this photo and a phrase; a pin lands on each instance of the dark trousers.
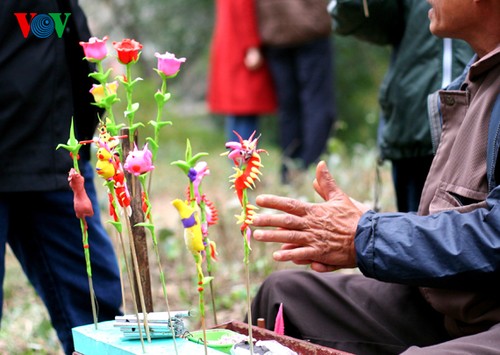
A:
(409, 176)
(44, 234)
(303, 78)
(360, 315)
(245, 125)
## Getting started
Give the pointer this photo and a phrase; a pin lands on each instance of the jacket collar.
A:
(485, 63)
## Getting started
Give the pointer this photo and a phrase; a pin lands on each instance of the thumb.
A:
(325, 184)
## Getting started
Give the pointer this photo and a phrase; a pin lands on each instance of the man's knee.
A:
(284, 280)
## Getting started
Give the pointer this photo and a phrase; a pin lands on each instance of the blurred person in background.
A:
(239, 82)
(297, 45)
(45, 85)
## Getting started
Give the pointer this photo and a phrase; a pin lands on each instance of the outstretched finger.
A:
(295, 255)
(288, 246)
(284, 236)
(283, 221)
(284, 204)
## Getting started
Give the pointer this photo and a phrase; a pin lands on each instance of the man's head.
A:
(475, 21)
(450, 18)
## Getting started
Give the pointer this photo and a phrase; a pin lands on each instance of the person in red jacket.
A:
(239, 83)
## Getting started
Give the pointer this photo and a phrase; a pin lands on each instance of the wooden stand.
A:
(138, 233)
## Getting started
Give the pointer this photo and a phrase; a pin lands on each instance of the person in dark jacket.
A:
(44, 85)
(420, 64)
(302, 68)
(429, 280)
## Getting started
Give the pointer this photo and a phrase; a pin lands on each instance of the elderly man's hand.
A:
(320, 234)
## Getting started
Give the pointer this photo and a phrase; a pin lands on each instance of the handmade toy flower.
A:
(95, 49)
(128, 50)
(193, 239)
(109, 167)
(81, 202)
(168, 67)
(246, 158)
(106, 164)
(139, 163)
(196, 171)
(105, 137)
(187, 166)
(96, 52)
(196, 229)
(207, 207)
(279, 323)
(168, 64)
(121, 189)
(101, 94)
(82, 206)
(192, 231)
(196, 175)
(209, 217)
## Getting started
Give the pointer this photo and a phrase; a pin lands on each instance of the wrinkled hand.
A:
(320, 234)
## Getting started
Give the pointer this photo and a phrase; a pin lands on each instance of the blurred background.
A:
(184, 27)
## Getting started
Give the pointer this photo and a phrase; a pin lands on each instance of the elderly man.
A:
(430, 280)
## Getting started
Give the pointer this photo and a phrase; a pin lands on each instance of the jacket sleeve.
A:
(246, 22)
(447, 249)
(384, 25)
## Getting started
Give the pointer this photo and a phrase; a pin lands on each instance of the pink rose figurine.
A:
(168, 64)
(95, 49)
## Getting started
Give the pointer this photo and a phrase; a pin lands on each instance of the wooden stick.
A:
(135, 264)
(93, 299)
(132, 289)
(121, 242)
(261, 323)
(249, 307)
(149, 217)
(365, 8)
(138, 232)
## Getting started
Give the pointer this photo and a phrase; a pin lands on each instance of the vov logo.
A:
(42, 25)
